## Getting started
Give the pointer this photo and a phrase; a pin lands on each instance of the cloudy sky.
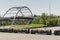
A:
(36, 6)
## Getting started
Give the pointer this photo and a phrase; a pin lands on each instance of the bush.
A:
(52, 22)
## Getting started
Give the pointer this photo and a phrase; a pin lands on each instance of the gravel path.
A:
(19, 36)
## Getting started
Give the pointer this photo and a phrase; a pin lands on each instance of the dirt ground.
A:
(19, 36)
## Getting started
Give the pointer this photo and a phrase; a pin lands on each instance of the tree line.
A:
(45, 19)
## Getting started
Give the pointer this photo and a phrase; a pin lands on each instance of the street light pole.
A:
(49, 7)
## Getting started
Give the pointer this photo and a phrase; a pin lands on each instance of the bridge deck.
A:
(6, 18)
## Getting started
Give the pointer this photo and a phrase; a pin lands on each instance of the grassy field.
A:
(23, 26)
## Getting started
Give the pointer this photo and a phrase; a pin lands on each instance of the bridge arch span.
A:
(18, 12)
(15, 11)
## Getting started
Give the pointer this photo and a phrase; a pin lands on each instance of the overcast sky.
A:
(36, 6)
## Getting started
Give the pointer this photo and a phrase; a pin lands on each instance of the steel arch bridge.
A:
(17, 13)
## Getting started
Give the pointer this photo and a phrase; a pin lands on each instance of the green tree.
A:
(52, 20)
(44, 17)
(35, 15)
(58, 22)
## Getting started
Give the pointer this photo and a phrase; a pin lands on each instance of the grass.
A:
(23, 26)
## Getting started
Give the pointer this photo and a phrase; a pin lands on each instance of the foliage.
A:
(49, 20)
(58, 22)
(44, 17)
